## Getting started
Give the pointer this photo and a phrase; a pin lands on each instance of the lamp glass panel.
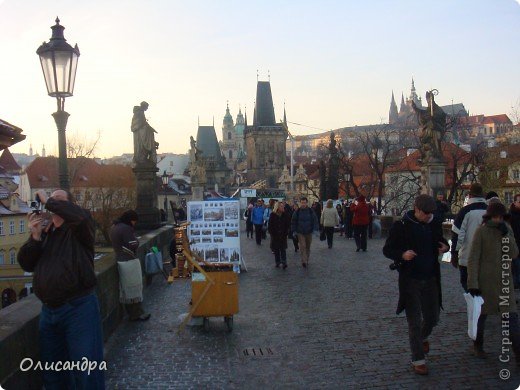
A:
(73, 68)
(48, 74)
(63, 63)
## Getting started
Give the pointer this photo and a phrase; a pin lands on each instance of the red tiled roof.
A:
(84, 172)
(502, 118)
(8, 163)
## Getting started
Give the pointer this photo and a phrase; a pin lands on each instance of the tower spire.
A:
(392, 116)
(403, 105)
(284, 114)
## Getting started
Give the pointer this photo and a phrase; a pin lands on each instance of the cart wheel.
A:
(205, 324)
(229, 323)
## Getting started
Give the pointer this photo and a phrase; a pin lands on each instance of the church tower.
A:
(393, 114)
(265, 140)
(229, 149)
(240, 125)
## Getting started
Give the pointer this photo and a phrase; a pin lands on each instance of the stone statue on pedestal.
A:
(145, 147)
(145, 170)
(432, 123)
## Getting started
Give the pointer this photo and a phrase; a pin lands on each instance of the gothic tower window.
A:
(229, 135)
(230, 154)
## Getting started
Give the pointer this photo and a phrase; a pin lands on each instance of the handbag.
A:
(130, 281)
(153, 263)
(323, 237)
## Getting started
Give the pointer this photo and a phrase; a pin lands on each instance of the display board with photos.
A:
(214, 231)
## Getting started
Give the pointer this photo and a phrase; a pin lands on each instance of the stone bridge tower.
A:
(265, 140)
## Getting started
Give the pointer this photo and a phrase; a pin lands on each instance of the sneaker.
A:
(277, 265)
(420, 369)
(304, 265)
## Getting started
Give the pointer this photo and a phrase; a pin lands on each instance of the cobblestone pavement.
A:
(330, 326)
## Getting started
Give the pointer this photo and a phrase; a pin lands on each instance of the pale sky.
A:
(334, 63)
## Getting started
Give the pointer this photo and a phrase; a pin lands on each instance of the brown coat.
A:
(486, 268)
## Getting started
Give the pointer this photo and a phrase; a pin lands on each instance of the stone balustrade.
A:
(19, 321)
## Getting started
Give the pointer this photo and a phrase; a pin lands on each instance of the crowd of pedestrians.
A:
(299, 221)
(415, 244)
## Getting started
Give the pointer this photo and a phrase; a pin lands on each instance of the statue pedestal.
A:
(146, 189)
(197, 192)
(434, 182)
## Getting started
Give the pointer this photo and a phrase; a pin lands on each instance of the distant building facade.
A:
(232, 144)
(217, 173)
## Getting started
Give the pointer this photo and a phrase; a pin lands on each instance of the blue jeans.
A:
(72, 332)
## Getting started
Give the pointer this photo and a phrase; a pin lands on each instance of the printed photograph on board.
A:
(218, 232)
(211, 253)
(214, 214)
(231, 232)
(234, 254)
(224, 255)
(196, 212)
(231, 211)
(218, 240)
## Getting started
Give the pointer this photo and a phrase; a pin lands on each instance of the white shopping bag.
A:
(474, 307)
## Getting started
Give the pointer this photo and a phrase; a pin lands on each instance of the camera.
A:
(395, 266)
(36, 205)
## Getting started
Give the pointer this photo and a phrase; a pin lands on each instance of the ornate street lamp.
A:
(59, 62)
(347, 180)
(165, 181)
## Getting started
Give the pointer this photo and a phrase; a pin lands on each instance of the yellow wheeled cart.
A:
(214, 292)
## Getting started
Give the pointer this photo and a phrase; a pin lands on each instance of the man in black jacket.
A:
(414, 244)
(61, 257)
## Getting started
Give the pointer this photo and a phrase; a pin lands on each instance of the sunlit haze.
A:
(333, 63)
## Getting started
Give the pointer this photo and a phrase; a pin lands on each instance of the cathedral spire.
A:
(403, 105)
(284, 115)
(392, 116)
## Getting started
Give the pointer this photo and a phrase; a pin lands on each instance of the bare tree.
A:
(378, 143)
(462, 166)
(81, 146)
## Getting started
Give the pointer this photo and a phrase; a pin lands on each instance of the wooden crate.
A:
(222, 297)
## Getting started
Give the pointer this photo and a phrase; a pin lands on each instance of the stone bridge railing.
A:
(19, 321)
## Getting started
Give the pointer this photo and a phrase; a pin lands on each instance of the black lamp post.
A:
(59, 62)
(347, 180)
(165, 180)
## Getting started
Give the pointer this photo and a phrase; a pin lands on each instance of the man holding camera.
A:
(414, 244)
(60, 253)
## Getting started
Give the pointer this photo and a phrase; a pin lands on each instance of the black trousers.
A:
(258, 234)
(360, 235)
(509, 322)
(422, 313)
(329, 233)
